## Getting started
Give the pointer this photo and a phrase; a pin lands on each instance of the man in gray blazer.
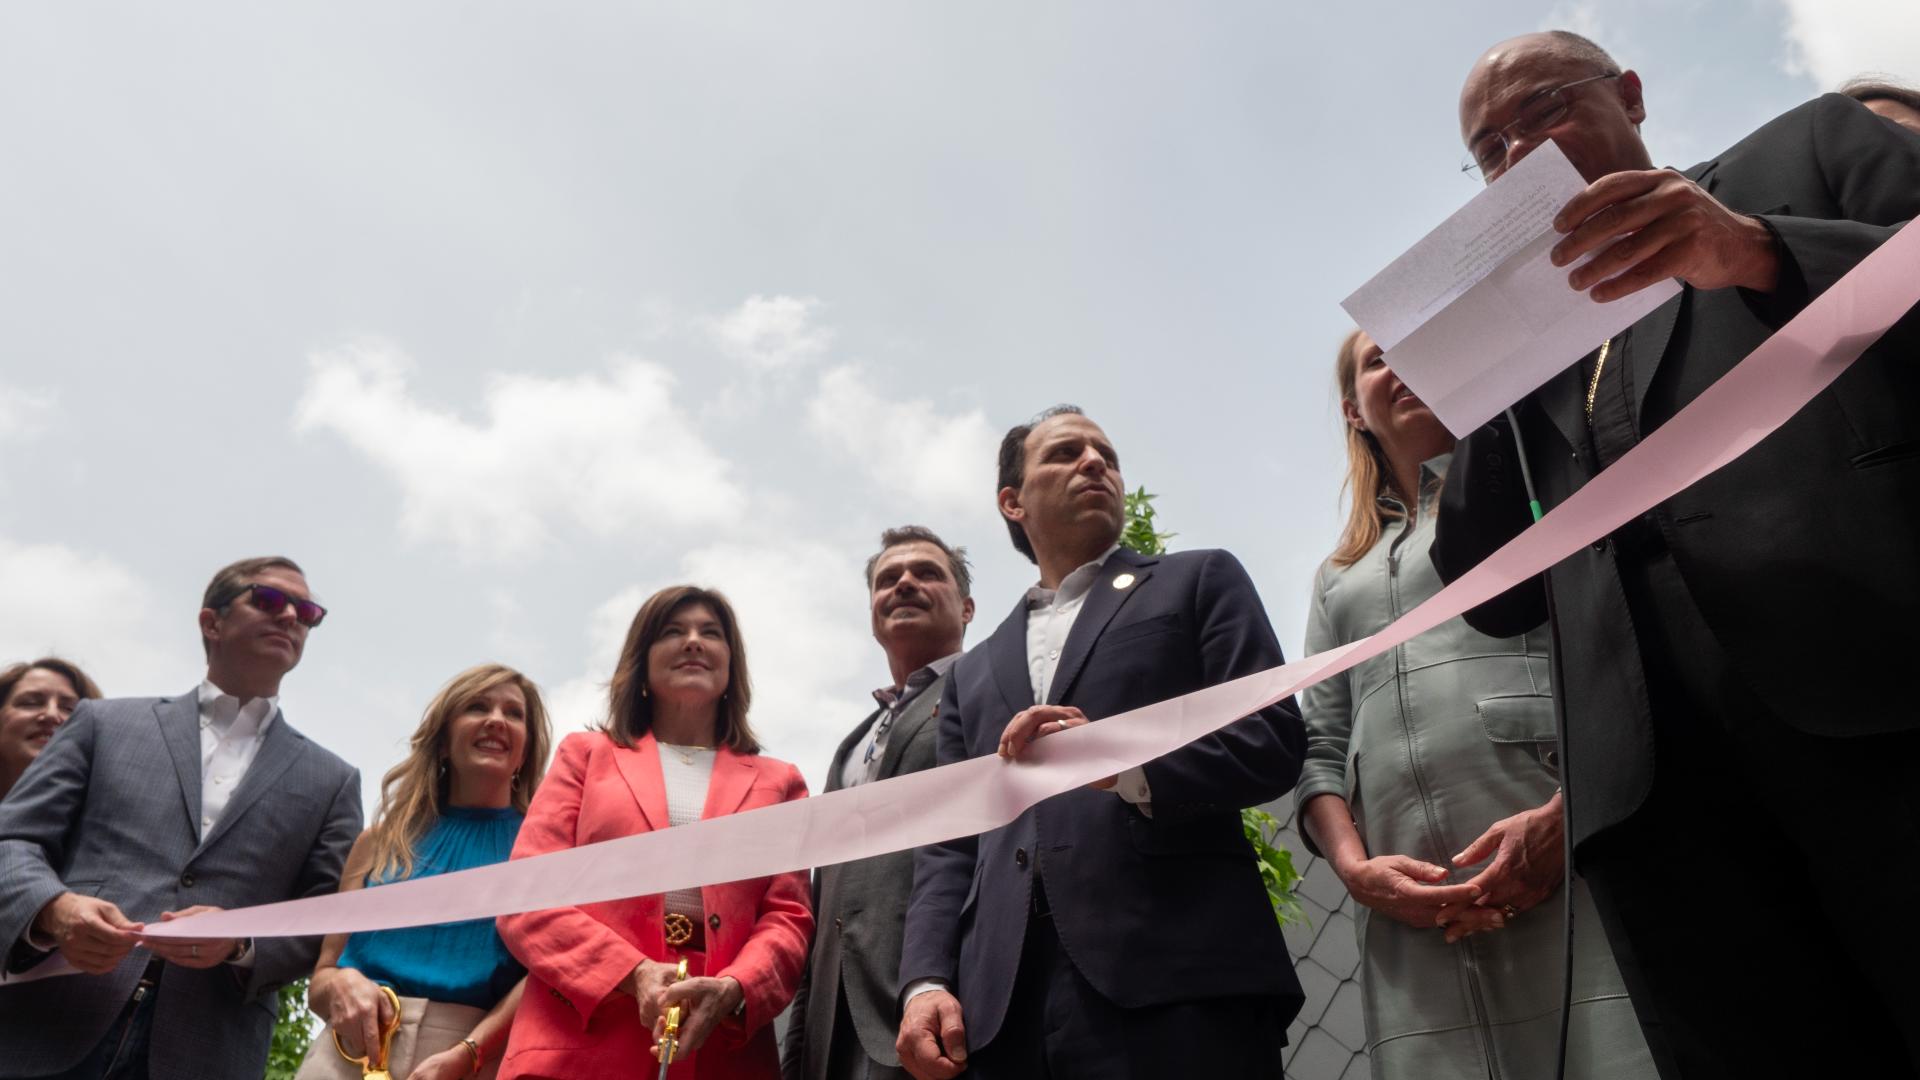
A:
(847, 1012)
(145, 809)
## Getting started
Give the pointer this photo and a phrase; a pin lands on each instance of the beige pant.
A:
(426, 1028)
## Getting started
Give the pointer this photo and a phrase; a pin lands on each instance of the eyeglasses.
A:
(1537, 114)
(272, 601)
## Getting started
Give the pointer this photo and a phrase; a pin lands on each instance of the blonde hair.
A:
(1368, 474)
(414, 792)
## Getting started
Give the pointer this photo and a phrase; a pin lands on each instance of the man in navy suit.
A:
(1123, 931)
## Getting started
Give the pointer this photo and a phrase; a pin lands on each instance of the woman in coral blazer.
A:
(675, 748)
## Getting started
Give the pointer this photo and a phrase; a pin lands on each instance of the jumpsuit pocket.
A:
(1524, 720)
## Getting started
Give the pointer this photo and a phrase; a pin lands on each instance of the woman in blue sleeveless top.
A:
(455, 803)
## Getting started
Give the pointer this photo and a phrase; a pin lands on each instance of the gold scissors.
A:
(670, 1039)
(372, 1066)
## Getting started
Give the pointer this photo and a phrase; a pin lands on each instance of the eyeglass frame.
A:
(1557, 94)
(252, 589)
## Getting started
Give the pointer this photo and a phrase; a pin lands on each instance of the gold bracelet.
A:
(474, 1049)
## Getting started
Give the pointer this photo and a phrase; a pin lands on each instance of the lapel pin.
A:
(1123, 581)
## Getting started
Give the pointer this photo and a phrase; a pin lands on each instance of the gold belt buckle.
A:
(679, 930)
(372, 1066)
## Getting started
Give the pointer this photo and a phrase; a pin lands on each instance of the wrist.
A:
(47, 922)
(1763, 275)
(1345, 865)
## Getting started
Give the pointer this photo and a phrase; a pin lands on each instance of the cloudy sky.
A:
(500, 316)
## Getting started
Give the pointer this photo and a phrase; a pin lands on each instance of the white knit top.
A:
(686, 798)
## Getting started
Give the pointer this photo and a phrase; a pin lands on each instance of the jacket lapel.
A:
(1564, 399)
(732, 778)
(1103, 602)
(1007, 652)
(1646, 345)
(179, 720)
(916, 715)
(641, 770)
(845, 751)
(279, 746)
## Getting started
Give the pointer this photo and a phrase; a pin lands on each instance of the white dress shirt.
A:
(1050, 617)
(230, 735)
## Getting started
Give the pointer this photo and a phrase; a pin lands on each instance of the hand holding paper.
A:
(1644, 227)
(1477, 313)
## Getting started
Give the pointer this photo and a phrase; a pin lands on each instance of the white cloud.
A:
(772, 332)
(610, 454)
(803, 614)
(96, 612)
(910, 451)
(24, 414)
(1831, 41)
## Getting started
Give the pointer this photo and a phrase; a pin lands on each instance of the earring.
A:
(643, 689)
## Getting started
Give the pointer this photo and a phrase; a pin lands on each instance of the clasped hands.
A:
(1652, 224)
(704, 1002)
(1528, 859)
(1038, 722)
(94, 935)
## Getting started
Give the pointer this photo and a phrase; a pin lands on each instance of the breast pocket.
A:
(1525, 722)
(1145, 628)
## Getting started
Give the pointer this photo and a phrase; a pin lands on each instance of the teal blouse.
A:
(465, 963)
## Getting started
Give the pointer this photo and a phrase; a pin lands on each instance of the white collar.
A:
(1074, 585)
(227, 716)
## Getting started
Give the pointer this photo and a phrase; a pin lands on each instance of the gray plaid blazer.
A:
(110, 809)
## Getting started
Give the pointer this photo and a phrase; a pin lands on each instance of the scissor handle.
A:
(368, 1062)
(670, 1037)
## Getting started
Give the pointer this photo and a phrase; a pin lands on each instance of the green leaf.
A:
(1275, 863)
(292, 1033)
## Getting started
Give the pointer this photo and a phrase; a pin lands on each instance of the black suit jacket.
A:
(1804, 554)
(1150, 909)
(858, 909)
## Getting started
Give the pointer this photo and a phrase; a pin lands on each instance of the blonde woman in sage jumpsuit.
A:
(1431, 785)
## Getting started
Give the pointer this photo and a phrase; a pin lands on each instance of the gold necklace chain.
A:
(686, 754)
(1593, 385)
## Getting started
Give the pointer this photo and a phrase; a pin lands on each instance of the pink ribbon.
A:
(975, 796)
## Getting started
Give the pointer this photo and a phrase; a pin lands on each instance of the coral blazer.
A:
(573, 1020)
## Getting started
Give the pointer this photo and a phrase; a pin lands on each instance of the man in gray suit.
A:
(847, 1012)
(148, 809)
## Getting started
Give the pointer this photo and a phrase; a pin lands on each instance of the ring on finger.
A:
(1508, 911)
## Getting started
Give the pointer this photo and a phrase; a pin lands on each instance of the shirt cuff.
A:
(244, 959)
(36, 940)
(1132, 786)
(921, 986)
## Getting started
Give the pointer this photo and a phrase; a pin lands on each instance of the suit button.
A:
(839, 924)
(713, 921)
(186, 881)
(1600, 544)
(1020, 857)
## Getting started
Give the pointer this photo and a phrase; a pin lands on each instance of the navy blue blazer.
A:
(1151, 910)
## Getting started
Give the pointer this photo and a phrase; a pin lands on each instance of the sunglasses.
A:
(272, 601)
